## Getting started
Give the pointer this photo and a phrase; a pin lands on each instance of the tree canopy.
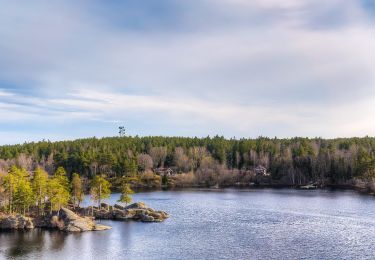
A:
(290, 161)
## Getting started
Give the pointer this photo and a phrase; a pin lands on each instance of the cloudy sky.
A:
(240, 68)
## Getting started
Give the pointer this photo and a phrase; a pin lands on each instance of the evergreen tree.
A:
(61, 176)
(39, 184)
(77, 191)
(10, 186)
(57, 194)
(131, 167)
(23, 196)
(290, 161)
(18, 190)
(126, 193)
(100, 189)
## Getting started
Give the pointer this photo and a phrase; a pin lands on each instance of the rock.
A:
(146, 215)
(29, 224)
(137, 205)
(117, 206)
(119, 214)
(104, 206)
(103, 214)
(99, 227)
(131, 213)
(67, 214)
(16, 222)
(137, 211)
(153, 216)
(79, 225)
(56, 222)
(147, 218)
(74, 223)
(156, 215)
(65, 220)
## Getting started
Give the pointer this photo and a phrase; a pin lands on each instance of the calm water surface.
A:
(226, 224)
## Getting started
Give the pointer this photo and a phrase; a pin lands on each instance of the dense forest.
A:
(203, 161)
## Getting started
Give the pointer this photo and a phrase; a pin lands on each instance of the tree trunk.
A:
(100, 196)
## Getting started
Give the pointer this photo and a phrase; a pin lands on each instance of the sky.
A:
(237, 68)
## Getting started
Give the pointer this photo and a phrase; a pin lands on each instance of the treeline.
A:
(203, 161)
(37, 192)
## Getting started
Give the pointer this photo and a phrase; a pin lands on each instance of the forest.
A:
(38, 193)
(204, 162)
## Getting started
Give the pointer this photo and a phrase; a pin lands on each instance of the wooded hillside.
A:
(210, 160)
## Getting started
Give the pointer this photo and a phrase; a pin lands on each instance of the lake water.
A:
(220, 224)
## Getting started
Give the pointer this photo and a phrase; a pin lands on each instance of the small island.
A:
(67, 220)
(37, 200)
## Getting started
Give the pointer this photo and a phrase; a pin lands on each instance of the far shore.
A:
(332, 187)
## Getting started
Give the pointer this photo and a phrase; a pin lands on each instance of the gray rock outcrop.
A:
(16, 222)
(137, 211)
(71, 222)
(65, 220)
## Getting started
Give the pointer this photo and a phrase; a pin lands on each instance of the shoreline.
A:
(338, 187)
(81, 219)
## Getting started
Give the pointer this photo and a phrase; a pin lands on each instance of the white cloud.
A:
(261, 67)
(241, 120)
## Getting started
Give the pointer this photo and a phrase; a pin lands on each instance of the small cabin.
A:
(261, 171)
(164, 171)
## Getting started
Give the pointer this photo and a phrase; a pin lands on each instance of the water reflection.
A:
(262, 224)
(56, 240)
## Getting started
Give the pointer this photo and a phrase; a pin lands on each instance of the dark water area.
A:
(220, 224)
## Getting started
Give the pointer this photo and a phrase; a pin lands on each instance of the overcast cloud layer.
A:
(239, 68)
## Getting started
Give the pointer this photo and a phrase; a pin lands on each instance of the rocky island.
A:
(137, 211)
(84, 218)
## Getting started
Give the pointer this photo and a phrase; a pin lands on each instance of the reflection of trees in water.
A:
(23, 243)
(56, 240)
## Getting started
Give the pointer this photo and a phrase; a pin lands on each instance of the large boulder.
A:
(152, 215)
(117, 206)
(103, 214)
(137, 205)
(146, 218)
(104, 206)
(71, 222)
(140, 211)
(119, 214)
(99, 227)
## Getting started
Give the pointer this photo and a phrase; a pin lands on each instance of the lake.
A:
(220, 224)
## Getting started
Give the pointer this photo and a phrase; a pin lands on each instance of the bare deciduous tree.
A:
(181, 160)
(158, 154)
(197, 154)
(145, 162)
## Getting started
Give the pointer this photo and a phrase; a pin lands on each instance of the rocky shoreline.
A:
(137, 211)
(84, 218)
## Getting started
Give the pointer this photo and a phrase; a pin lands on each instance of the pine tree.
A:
(10, 184)
(39, 184)
(61, 177)
(18, 190)
(131, 167)
(126, 193)
(76, 187)
(23, 196)
(100, 189)
(57, 194)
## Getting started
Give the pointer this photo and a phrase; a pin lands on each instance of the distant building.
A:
(261, 171)
(164, 171)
